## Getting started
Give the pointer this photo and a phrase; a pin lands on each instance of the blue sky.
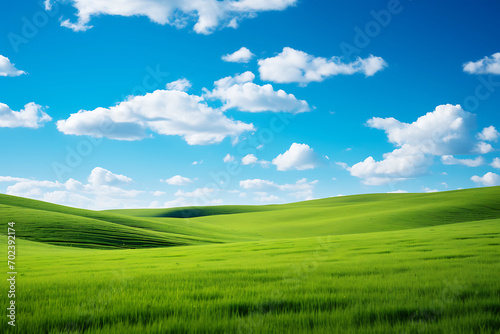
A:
(319, 88)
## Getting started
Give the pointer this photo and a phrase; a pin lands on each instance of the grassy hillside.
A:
(346, 215)
(144, 228)
(385, 263)
(60, 225)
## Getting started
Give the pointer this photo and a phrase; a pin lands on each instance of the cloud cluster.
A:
(489, 179)
(489, 134)
(251, 159)
(495, 163)
(243, 55)
(241, 93)
(7, 69)
(165, 112)
(201, 196)
(103, 190)
(178, 180)
(299, 67)
(208, 14)
(32, 116)
(446, 131)
(451, 160)
(300, 190)
(297, 157)
(487, 65)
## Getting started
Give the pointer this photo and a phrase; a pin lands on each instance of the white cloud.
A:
(178, 180)
(12, 179)
(300, 190)
(178, 202)
(297, 157)
(243, 55)
(429, 190)
(488, 179)
(483, 148)
(102, 177)
(7, 69)
(197, 197)
(228, 158)
(451, 160)
(297, 66)
(249, 159)
(495, 163)
(32, 116)
(165, 112)
(200, 192)
(266, 198)
(241, 93)
(158, 193)
(155, 205)
(239, 193)
(487, 65)
(398, 165)
(258, 184)
(197, 162)
(104, 190)
(489, 134)
(208, 14)
(181, 85)
(398, 192)
(448, 130)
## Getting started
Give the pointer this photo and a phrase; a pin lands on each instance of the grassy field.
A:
(388, 263)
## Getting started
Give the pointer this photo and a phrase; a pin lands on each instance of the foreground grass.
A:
(439, 279)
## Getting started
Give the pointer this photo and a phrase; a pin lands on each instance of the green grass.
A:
(399, 263)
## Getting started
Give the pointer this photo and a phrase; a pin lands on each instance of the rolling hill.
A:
(145, 228)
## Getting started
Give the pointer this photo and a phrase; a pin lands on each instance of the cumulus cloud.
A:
(243, 55)
(300, 190)
(241, 93)
(165, 112)
(102, 177)
(208, 14)
(32, 116)
(178, 180)
(251, 159)
(489, 134)
(488, 179)
(398, 192)
(487, 65)
(297, 66)
(258, 184)
(446, 131)
(180, 85)
(398, 165)
(7, 69)
(200, 196)
(451, 160)
(495, 163)
(264, 197)
(297, 157)
(228, 158)
(158, 193)
(103, 190)
(200, 192)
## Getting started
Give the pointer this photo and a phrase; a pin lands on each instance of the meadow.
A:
(384, 263)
